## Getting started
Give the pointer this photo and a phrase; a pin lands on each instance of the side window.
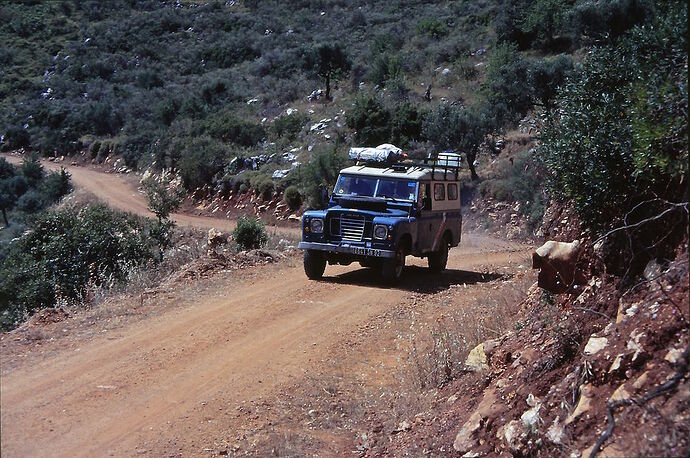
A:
(439, 191)
(452, 191)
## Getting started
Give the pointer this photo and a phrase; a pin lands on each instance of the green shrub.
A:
(432, 27)
(322, 170)
(250, 233)
(617, 143)
(266, 189)
(94, 148)
(288, 126)
(64, 252)
(292, 197)
(630, 144)
(521, 181)
(243, 188)
(370, 119)
(228, 128)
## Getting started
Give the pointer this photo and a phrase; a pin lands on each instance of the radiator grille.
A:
(352, 227)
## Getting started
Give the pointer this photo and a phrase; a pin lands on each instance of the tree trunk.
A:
(4, 215)
(470, 163)
(328, 87)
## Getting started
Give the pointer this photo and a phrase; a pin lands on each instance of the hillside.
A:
(192, 86)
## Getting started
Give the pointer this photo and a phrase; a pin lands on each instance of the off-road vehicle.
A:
(383, 209)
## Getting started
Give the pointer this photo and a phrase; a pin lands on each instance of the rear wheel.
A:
(439, 259)
(392, 268)
(314, 264)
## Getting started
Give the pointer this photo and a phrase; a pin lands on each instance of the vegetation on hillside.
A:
(191, 86)
(617, 143)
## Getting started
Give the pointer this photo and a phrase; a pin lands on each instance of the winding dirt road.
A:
(171, 383)
(119, 191)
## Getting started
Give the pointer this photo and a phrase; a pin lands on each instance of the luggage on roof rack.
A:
(387, 155)
(382, 154)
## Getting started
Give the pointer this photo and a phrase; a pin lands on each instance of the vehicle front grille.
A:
(352, 227)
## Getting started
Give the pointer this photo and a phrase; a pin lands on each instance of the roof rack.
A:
(447, 162)
(389, 156)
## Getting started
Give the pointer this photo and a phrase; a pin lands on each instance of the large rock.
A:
(465, 439)
(584, 405)
(477, 361)
(595, 345)
(557, 262)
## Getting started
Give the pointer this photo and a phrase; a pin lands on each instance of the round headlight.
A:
(316, 225)
(380, 232)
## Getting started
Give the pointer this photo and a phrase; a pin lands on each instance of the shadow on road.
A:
(415, 278)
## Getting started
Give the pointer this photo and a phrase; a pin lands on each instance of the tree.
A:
(462, 129)
(544, 18)
(370, 120)
(504, 88)
(32, 169)
(545, 76)
(330, 63)
(7, 198)
(617, 143)
(165, 196)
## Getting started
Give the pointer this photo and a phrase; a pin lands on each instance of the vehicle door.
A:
(431, 218)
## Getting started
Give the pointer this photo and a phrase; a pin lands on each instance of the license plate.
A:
(366, 251)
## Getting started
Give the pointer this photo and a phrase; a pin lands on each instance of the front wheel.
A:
(314, 264)
(392, 268)
(439, 259)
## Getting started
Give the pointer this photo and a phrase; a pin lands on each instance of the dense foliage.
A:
(618, 140)
(67, 252)
(28, 189)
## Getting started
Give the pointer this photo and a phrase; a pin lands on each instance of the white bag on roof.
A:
(382, 153)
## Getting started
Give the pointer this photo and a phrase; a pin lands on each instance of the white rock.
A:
(674, 355)
(530, 418)
(555, 432)
(595, 345)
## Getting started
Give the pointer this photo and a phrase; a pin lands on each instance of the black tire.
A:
(439, 259)
(314, 264)
(392, 268)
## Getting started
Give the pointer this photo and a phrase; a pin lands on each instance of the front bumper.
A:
(346, 249)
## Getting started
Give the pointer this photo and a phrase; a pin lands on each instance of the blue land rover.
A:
(383, 209)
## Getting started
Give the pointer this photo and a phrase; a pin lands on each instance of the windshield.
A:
(375, 187)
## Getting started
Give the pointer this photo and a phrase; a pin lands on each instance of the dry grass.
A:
(437, 351)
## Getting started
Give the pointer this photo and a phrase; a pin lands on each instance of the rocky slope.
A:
(599, 371)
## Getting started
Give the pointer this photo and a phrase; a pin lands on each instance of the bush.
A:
(15, 137)
(292, 197)
(521, 181)
(200, 160)
(250, 233)
(629, 148)
(66, 251)
(288, 126)
(228, 128)
(266, 188)
(243, 188)
(370, 120)
(322, 170)
(432, 27)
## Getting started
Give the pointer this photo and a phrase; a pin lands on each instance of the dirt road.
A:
(177, 381)
(171, 383)
(119, 191)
